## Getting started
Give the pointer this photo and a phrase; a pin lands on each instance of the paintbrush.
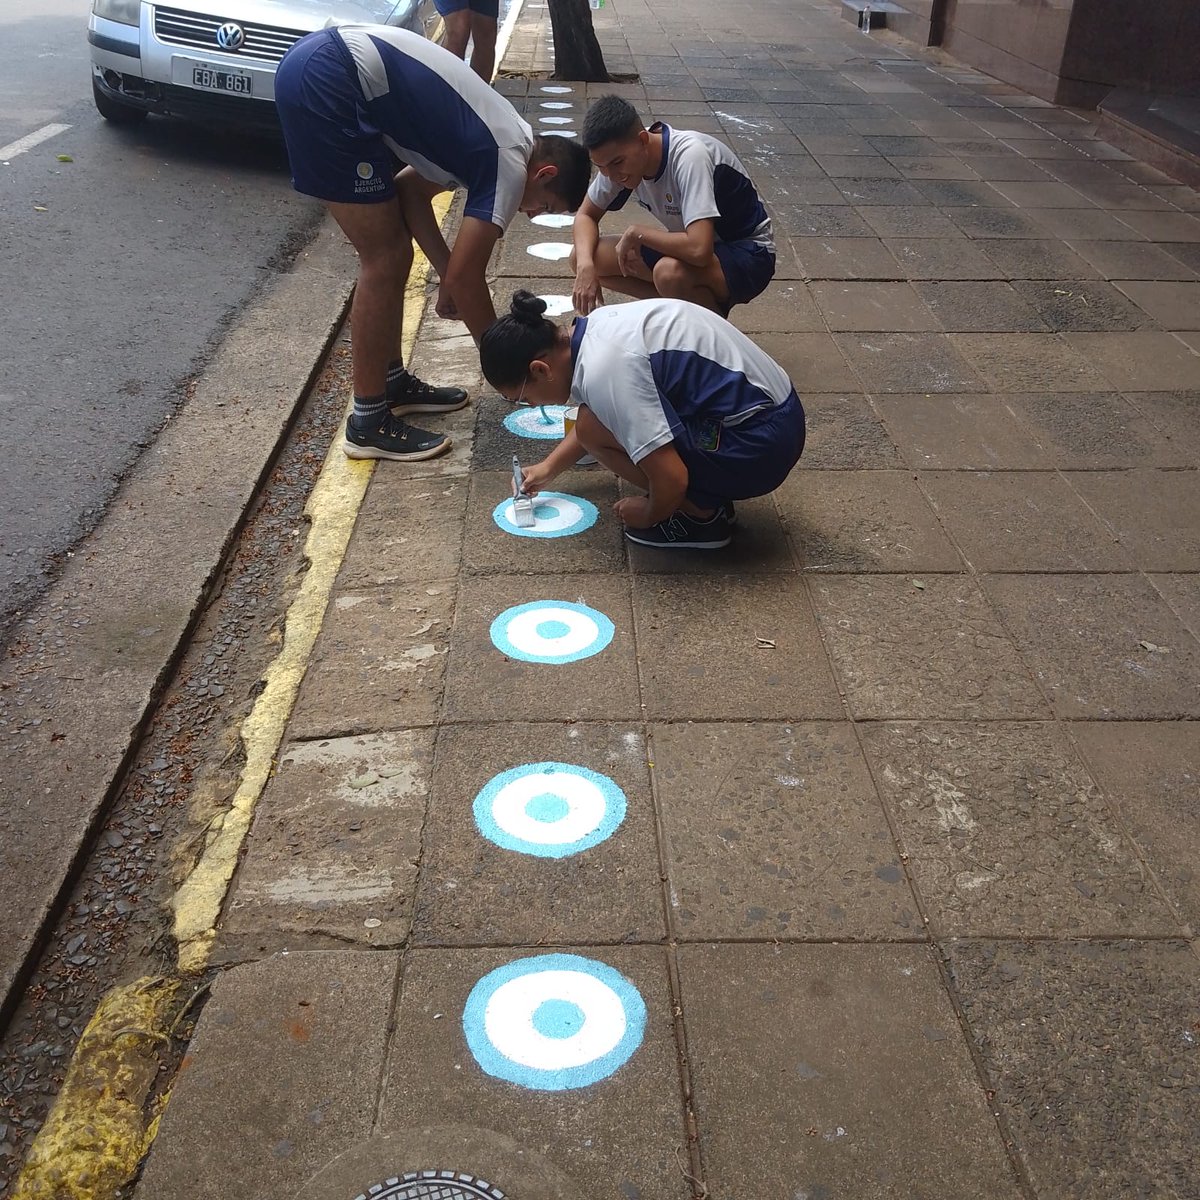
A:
(522, 504)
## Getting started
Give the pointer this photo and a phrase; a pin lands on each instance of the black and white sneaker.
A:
(409, 394)
(682, 532)
(729, 511)
(394, 439)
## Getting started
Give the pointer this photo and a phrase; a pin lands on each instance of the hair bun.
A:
(528, 308)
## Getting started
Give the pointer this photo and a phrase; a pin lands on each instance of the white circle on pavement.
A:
(556, 120)
(555, 514)
(554, 220)
(550, 250)
(549, 809)
(551, 631)
(554, 1021)
(560, 133)
(558, 104)
(558, 91)
(558, 306)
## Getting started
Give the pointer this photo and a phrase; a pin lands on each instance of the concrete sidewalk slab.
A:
(934, 650)
(758, 655)
(1156, 514)
(379, 663)
(333, 852)
(1148, 771)
(1083, 635)
(485, 684)
(476, 891)
(844, 432)
(775, 832)
(281, 1077)
(1115, 1114)
(619, 1136)
(863, 521)
(1086, 431)
(960, 433)
(805, 1059)
(1024, 521)
(1006, 834)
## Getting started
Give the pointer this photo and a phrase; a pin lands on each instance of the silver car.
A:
(215, 59)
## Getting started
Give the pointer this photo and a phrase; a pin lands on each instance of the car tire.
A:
(113, 110)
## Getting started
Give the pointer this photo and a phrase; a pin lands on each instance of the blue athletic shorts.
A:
(751, 458)
(336, 154)
(484, 8)
(748, 268)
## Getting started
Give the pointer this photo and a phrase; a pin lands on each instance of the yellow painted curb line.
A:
(332, 510)
(96, 1133)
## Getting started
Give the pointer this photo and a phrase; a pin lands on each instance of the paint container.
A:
(570, 416)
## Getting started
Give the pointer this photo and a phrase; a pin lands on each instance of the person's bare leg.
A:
(599, 442)
(458, 32)
(384, 246)
(483, 49)
(678, 280)
(608, 271)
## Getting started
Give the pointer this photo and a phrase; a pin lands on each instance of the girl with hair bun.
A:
(672, 398)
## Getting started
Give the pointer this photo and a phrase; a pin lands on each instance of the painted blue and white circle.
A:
(554, 1022)
(549, 809)
(544, 422)
(556, 514)
(551, 631)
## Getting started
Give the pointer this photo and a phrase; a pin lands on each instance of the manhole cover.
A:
(432, 1185)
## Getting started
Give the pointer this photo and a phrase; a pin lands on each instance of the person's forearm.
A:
(586, 235)
(676, 245)
(423, 225)
(472, 298)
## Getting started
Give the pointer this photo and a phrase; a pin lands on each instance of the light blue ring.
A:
(499, 632)
(536, 428)
(589, 515)
(615, 806)
(495, 1063)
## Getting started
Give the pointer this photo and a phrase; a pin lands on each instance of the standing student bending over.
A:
(672, 398)
(716, 250)
(350, 97)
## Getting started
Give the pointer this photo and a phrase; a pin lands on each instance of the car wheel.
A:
(113, 110)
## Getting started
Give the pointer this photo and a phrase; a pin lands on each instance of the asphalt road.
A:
(119, 271)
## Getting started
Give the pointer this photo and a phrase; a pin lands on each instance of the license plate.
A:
(214, 80)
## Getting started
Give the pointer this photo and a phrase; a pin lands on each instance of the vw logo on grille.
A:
(231, 36)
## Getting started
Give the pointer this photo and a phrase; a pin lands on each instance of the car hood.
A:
(296, 14)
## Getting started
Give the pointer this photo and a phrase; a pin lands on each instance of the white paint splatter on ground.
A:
(558, 306)
(552, 251)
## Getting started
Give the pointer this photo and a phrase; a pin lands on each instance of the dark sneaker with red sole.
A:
(394, 439)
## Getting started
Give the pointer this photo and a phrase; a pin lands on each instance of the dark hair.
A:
(512, 342)
(574, 167)
(608, 120)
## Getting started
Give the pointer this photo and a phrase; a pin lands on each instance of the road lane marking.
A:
(36, 138)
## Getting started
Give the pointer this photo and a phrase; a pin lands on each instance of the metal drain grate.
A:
(432, 1185)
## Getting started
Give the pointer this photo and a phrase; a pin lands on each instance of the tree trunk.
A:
(577, 53)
